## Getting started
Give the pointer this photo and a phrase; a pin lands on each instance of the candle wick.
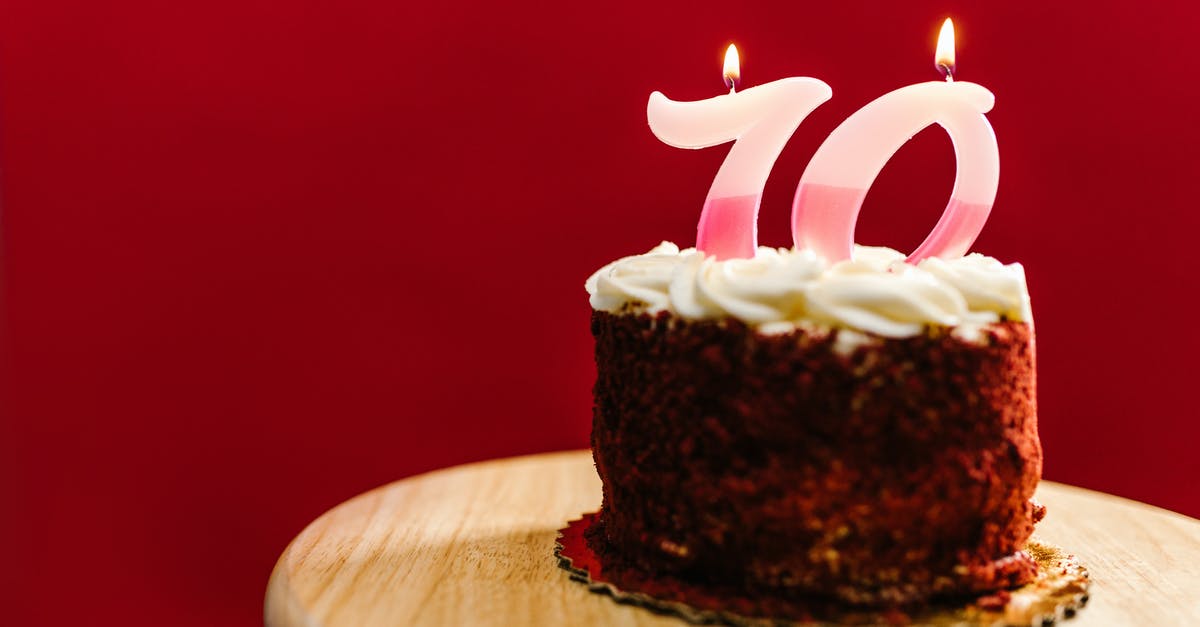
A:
(947, 70)
(731, 83)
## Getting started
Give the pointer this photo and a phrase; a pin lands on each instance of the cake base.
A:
(1059, 590)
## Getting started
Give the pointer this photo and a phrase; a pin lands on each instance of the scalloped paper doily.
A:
(1058, 592)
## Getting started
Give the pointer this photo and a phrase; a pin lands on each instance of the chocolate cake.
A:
(864, 432)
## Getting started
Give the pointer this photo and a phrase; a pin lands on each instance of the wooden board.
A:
(474, 545)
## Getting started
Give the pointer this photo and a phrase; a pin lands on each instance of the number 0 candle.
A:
(834, 185)
(759, 121)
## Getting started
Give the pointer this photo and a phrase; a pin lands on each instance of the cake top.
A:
(876, 292)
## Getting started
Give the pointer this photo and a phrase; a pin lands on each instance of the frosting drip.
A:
(875, 292)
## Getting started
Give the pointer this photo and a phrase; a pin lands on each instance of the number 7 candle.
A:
(759, 120)
(835, 183)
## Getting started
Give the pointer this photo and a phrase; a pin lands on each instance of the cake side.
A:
(888, 471)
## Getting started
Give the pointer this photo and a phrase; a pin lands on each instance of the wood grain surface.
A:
(474, 545)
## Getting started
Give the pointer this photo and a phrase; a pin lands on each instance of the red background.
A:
(260, 256)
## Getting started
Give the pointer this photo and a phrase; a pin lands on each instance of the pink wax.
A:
(824, 218)
(955, 231)
(729, 227)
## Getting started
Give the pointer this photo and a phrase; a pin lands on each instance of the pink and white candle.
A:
(759, 121)
(834, 185)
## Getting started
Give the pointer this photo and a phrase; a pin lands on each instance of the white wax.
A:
(761, 119)
(837, 178)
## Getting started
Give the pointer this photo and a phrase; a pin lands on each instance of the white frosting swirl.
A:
(876, 292)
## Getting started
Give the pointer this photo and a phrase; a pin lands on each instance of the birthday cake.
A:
(863, 431)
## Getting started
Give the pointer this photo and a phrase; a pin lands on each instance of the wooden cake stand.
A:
(474, 545)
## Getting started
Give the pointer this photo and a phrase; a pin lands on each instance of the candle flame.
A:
(733, 67)
(944, 57)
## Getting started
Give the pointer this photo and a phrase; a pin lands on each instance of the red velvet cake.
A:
(864, 432)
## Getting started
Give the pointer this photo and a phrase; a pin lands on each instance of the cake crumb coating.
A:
(895, 473)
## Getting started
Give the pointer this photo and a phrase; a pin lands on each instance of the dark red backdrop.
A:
(262, 256)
